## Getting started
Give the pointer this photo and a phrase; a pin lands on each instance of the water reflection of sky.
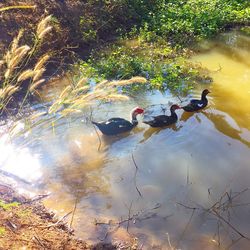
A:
(19, 161)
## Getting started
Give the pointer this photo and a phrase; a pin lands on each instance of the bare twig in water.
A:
(73, 214)
(129, 213)
(233, 243)
(186, 227)
(223, 205)
(136, 169)
(130, 217)
(187, 174)
(99, 138)
(214, 212)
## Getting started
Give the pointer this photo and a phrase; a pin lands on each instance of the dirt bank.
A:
(27, 224)
(78, 25)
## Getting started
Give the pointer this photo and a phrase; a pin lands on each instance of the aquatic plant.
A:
(163, 66)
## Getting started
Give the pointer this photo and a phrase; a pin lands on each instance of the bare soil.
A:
(27, 224)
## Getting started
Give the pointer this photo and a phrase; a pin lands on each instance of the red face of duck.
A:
(175, 106)
(137, 111)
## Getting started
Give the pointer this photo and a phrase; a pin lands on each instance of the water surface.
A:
(166, 179)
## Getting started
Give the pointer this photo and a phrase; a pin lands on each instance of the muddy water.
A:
(166, 179)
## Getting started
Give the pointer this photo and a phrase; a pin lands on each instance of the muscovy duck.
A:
(164, 120)
(116, 125)
(196, 104)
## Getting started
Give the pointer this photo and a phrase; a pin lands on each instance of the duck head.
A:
(174, 107)
(137, 111)
(205, 92)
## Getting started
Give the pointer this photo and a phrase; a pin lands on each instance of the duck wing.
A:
(114, 126)
(161, 121)
(196, 102)
(194, 105)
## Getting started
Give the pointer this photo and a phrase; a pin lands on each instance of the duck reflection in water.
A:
(154, 131)
(223, 123)
(161, 121)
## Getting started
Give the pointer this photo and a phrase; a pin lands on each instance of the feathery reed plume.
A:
(36, 84)
(83, 89)
(65, 112)
(65, 92)
(117, 97)
(82, 81)
(43, 28)
(138, 79)
(38, 74)
(15, 41)
(8, 91)
(78, 96)
(101, 84)
(14, 58)
(44, 32)
(37, 115)
(132, 80)
(25, 75)
(41, 62)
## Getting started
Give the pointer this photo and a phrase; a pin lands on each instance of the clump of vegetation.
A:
(164, 66)
(182, 22)
(7, 206)
(16, 76)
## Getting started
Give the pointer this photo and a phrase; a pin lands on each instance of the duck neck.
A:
(173, 114)
(204, 97)
(134, 120)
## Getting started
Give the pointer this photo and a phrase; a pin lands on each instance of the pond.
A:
(185, 186)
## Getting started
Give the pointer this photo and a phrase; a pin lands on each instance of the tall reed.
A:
(14, 66)
(75, 97)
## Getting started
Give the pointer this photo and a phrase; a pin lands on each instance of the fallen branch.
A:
(59, 221)
(72, 218)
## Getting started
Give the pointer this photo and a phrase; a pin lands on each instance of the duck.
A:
(164, 120)
(116, 125)
(196, 104)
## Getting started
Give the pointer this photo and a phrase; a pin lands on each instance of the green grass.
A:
(187, 20)
(7, 206)
(164, 30)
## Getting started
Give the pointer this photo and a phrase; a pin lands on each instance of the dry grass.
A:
(14, 66)
(77, 96)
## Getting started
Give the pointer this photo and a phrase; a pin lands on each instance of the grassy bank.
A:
(158, 33)
(157, 47)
